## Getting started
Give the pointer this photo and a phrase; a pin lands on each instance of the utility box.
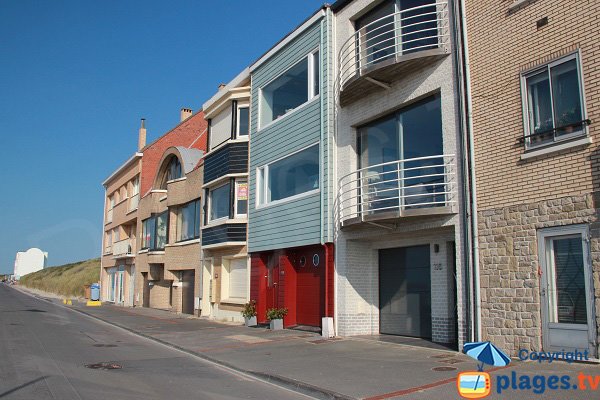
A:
(95, 292)
(86, 291)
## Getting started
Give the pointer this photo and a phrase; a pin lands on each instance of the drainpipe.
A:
(322, 142)
(472, 181)
(102, 249)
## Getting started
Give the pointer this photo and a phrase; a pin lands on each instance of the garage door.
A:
(405, 291)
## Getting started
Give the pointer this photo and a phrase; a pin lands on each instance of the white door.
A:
(567, 292)
(206, 287)
(131, 285)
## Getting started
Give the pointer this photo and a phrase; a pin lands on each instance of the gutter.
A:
(474, 242)
(135, 156)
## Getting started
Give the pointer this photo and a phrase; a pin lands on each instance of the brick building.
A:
(535, 93)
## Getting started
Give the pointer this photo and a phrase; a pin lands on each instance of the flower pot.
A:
(251, 321)
(276, 324)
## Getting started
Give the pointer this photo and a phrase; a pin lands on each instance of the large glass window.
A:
(290, 176)
(414, 135)
(554, 102)
(172, 171)
(188, 221)
(291, 89)
(219, 202)
(243, 121)
(154, 231)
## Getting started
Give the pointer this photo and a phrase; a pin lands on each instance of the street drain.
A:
(442, 356)
(450, 361)
(443, 369)
(105, 345)
(103, 365)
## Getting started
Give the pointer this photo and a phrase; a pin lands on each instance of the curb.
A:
(286, 383)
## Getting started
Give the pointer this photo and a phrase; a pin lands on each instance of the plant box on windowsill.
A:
(276, 324)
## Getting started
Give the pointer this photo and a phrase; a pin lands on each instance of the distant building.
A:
(29, 261)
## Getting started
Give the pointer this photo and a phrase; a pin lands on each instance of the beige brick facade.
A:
(519, 195)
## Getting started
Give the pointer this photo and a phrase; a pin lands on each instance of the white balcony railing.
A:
(122, 247)
(395, 187)
(134, 201)
(392, 36)
(109, 216)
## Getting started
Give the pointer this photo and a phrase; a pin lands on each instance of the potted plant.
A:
(249, 313)
(275, 317)
(568, 119)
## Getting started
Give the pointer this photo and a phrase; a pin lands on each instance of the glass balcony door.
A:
(393, 171)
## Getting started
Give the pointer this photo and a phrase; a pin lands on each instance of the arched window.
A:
(171, 171)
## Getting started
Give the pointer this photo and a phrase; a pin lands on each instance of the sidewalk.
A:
(344, 368)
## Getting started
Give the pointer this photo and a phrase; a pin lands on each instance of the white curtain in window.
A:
(238, 278)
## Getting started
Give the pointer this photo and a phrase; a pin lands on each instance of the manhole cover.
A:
(103, 365)
(450, 361)
(442, 369)
(105, 345)
(442, 356)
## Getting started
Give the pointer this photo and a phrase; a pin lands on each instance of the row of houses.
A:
(380, 170)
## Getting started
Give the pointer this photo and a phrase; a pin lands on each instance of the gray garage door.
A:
(405, 291)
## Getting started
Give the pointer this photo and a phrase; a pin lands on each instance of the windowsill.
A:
(224, 221)
(143, 251)
(234, 301)
(157, 252)
(221, 179)
(183, 178)
(284, 116)
(122, 201)
(183, 242)
(287, 199)
(518, 4)
(556, 147)
(131, 211)
(158, 191)
(163, 198)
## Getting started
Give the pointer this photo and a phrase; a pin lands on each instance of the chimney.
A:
(142, 135)
(221, 86)
(186, 113)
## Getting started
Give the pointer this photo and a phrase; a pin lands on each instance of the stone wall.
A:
(510, 268)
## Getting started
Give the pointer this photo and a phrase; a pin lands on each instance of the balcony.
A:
(123, 249)
(404, 188)
(390, 47)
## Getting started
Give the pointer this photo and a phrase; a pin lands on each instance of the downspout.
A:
(102, 249)
(333, 57)
(322, 142)
(472, 181)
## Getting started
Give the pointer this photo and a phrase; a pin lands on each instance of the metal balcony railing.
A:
(397, 186)
(388, 38)
(122, 247)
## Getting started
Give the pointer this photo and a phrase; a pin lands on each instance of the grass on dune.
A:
(66, 280)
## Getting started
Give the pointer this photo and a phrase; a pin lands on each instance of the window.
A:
(293, 88)
(188, 221)
(235, 277)
(154, 231)
(553, 102)
(171, 172)
(108, 242)
(219, 202)
(293, 175)
(243, 121)
(241, 197)
(117, 234)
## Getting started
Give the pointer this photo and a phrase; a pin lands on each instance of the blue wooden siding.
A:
(302, 221)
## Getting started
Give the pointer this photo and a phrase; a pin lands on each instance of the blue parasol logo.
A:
(486, 353)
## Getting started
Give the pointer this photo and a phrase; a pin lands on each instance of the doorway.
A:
(568, 321)
(405, 291)
(146, 291)
(187, 291)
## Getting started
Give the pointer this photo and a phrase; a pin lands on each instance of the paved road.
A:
(44, 350)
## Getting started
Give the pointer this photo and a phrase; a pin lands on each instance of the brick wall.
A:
(502, 45)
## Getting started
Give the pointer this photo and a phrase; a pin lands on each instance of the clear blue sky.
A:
(76, 76)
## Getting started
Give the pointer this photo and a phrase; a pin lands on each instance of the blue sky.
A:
(76, 77)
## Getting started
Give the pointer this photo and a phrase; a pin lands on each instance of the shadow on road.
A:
(22, 386)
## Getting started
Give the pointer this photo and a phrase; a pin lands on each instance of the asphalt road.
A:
(45, 348)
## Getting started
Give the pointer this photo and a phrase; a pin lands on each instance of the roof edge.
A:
(127, 163)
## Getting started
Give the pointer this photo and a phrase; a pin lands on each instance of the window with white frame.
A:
(219, 202)
(553, 102)
(294, 87)
(293, 175)
(241, 197)
(243, 121)
(108, 242)
(154, 231)
(235, 279)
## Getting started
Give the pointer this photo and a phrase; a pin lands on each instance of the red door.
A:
(272, 277)
(310, 287)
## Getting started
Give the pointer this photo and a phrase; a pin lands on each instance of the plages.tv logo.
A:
(477, 384)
